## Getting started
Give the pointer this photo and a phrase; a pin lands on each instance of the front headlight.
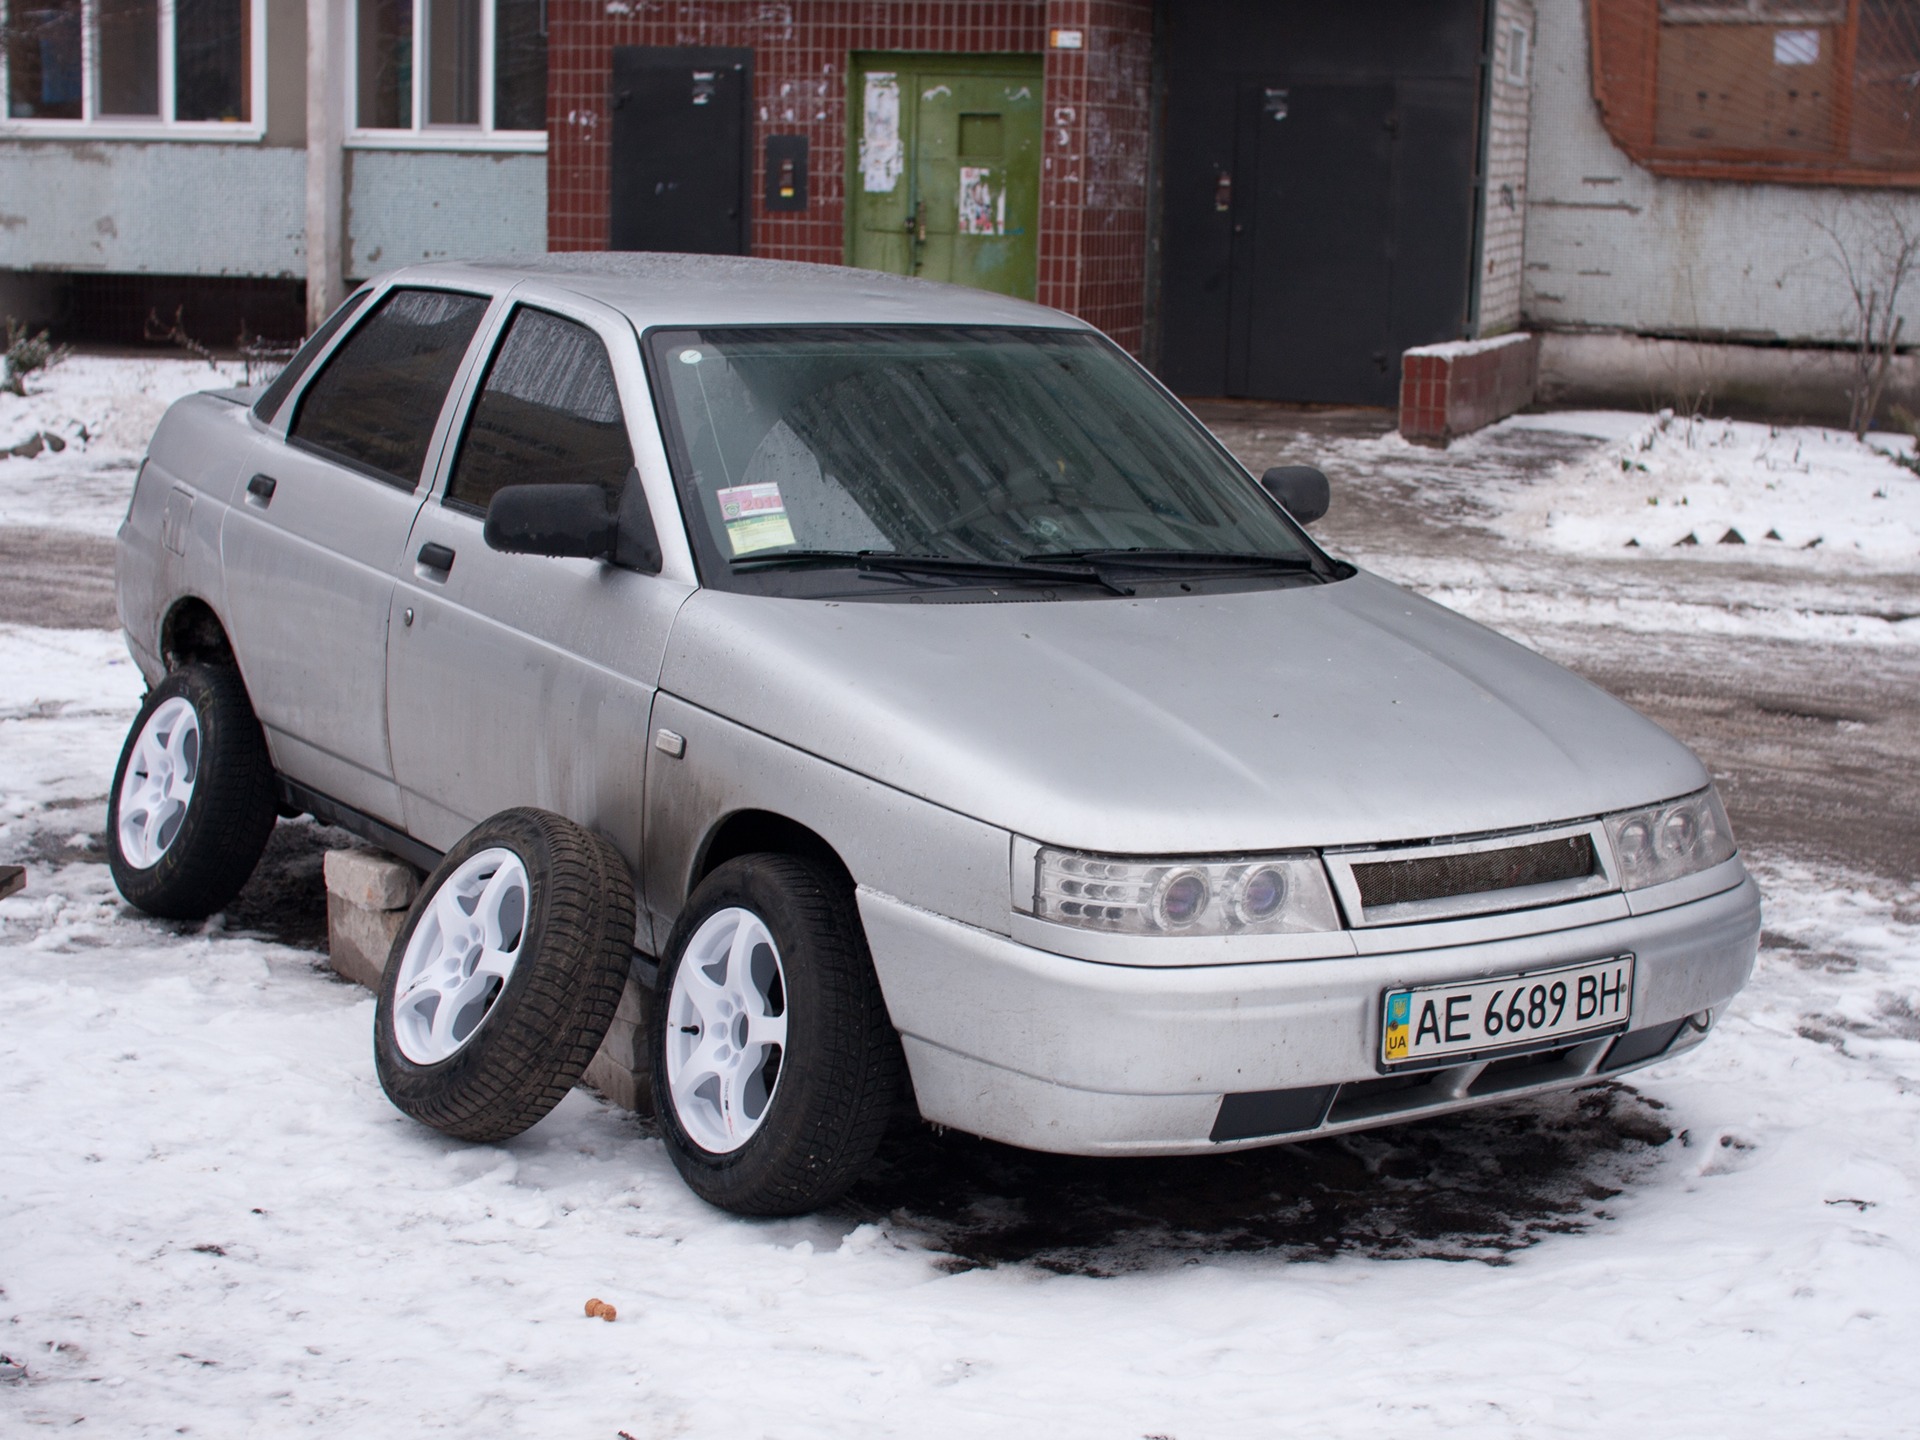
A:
(1126, 895)
(1665, 842)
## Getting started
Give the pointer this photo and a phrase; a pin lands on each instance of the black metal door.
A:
(682, 117)
(1311, 269)
(1319, 184)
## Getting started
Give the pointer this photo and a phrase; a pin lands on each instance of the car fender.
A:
(703, 768)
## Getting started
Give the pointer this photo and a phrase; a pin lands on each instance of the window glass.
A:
(520, 65)
(129, 57)
(1805, 91)
(548, 414)
(376, 403)
(212, 47)
(275, 395)
(453, 62)
(43, 60)
(964, 443)
(386, 64)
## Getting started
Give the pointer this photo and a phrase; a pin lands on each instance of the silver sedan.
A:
(915, 700)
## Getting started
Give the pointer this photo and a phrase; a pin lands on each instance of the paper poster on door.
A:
(983, 208)
(880, 159)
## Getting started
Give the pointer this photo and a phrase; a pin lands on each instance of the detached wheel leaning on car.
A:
(505, 976)
(775, 1067)
(193, 796)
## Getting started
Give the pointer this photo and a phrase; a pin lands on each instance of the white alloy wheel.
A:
(726, 1030)
(460, 957)
(158, 784)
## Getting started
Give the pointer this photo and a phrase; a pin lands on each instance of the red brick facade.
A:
(1093, 196)
(1455, 388)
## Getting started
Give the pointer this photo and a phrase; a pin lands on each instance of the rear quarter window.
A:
(275, 395)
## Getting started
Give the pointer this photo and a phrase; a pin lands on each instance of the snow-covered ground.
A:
(212, 1223)
(102, 410)
(1703, 491)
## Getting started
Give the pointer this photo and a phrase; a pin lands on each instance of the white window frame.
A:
(420, 135)
(92, 126)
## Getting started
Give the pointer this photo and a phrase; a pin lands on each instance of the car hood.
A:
(1342, 714)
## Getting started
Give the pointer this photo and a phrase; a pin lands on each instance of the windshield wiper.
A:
(1176, 559)
(960, 566)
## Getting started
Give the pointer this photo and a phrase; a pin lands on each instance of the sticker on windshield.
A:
(756, 517)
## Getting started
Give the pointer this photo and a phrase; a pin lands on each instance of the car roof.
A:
(661, 289)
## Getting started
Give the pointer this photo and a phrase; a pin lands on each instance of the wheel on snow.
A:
(193, 797)
(505, 976)
(775, 1068)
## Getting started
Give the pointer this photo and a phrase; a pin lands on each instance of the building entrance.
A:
(1321, 183)
(944, 168)
(680, 164)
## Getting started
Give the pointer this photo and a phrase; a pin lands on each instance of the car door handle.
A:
(260, 490)
(436, 561)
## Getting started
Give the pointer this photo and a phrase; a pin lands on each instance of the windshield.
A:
(1022, 453)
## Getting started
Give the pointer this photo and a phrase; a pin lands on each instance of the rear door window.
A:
(549, 414)
(375, 404)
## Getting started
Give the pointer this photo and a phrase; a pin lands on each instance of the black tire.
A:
(228, 818)
(542, 1027)
(841, 1069)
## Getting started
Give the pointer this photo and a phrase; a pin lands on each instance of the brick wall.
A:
(1093, 189)
(1093, 185)
(1457, 387)
(1503, 243)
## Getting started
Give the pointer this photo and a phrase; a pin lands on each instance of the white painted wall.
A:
(404, 206)
(1503, 231)
(177, 208)
(166, 208)
(1611, 246)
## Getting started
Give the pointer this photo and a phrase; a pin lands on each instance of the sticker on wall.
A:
(880, 159)
(755, 516)
(1796, 47)
(983, 210)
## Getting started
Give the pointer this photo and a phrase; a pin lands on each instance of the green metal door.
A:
(944, 168)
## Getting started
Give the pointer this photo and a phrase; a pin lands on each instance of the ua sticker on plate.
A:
(756, 517)
(1399, 1011)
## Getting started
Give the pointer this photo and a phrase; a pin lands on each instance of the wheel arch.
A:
(750, 832)
(191, 633)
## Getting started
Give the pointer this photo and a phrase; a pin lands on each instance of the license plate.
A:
(1429, 1023)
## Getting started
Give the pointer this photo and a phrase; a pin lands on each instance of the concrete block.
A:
(371, 879)
(359, 940)
(368, 893)
(1462, 385)
(621, 1070)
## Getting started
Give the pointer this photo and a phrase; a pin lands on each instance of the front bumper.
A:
(1073, 1056)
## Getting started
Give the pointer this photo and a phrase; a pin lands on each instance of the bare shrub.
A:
(1876, 245)
(27, 353)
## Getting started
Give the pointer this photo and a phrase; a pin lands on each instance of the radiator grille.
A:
(1438, 877)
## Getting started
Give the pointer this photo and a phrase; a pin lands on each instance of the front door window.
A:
(549, 414)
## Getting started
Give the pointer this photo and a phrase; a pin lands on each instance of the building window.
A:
(189, 67)
(450, 72)
(1806, 91)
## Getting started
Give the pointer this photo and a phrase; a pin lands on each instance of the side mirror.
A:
(1302, 491)
(576, 520)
